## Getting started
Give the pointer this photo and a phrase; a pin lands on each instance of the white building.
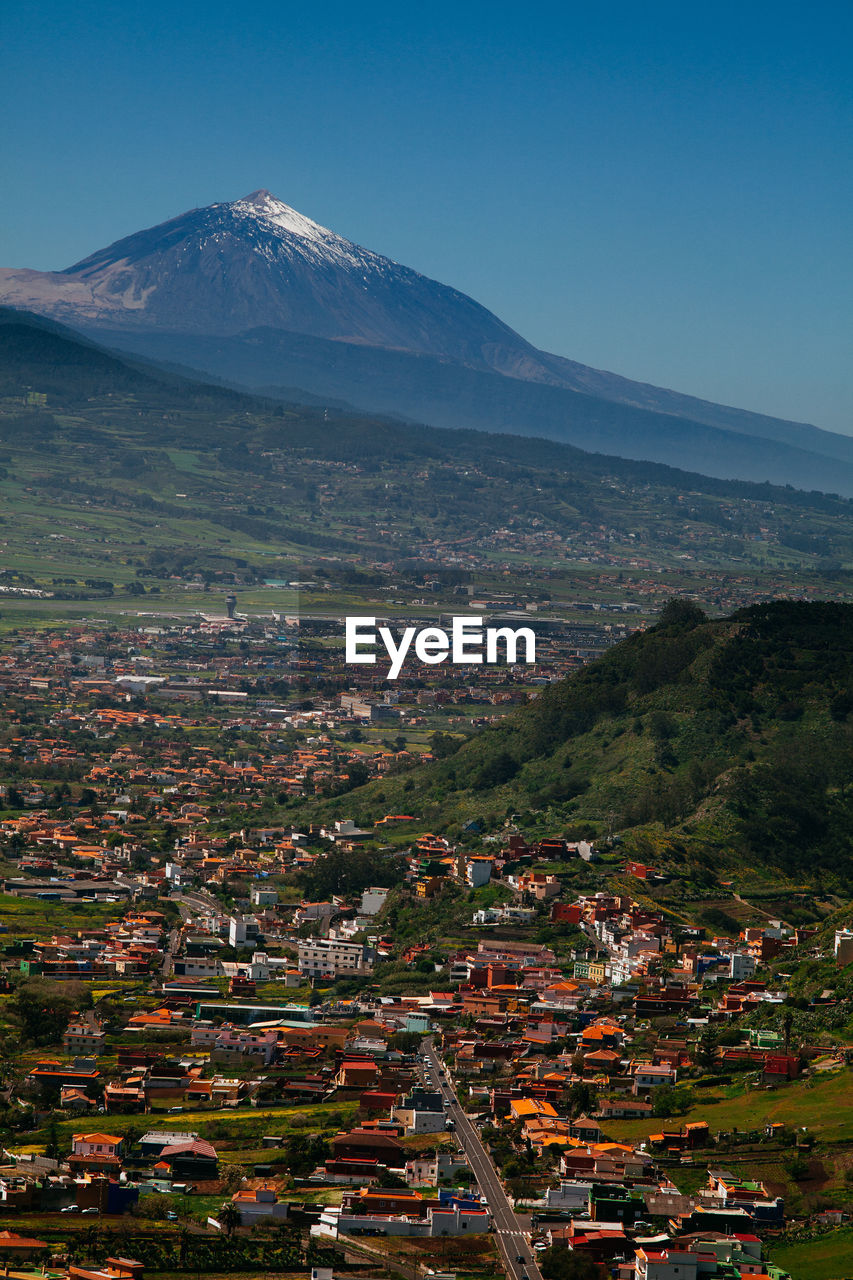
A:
(333, 958)
(449, 1221)
(666, 1264)
(474, 871)
(263, 897)
(843, 946)
(741, 966)
(259, 1206)
(569, 1195)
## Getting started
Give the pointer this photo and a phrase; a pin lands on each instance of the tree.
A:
(304, 1152)
(229, 1217)
(561, 1263)
(357, 774)
(582, 1097)
(155, 1207)
(43, 1009)
(706, 1048)
(681, 615)
(797, 1167)
(52, 1147)
(443, 745)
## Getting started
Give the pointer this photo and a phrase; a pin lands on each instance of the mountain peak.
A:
(264, 205)
(259, 197)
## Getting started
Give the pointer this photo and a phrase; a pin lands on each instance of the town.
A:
(241, 1036)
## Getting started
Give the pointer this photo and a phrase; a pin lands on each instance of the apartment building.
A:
(333, 958)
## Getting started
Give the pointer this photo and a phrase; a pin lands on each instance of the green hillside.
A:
(132, 477)
(703, 744)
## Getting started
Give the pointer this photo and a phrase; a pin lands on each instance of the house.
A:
(125, 1098)
(440, 1220)
(627, 1109)
(233, 1046)
(429, 1170)
(371, 1144)
(539, 884)
(602, 1062)
(95, 1153)
(184, 1160)
(153, 1142)
(75, 1101)
(472, 870)
(261, 1205)
(421, 1112)
(84, 1035)
(106, 1194)
(526, 1109)
(668, 1264)
(333, 958)
(586, 1129)
(568, 1197)
(17, 1248)
(113, 1269)
(53, 1075)
(357, 1073)
(647, 1077)
(352, 1173)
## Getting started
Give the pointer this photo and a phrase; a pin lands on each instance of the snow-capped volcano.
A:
(256, 262)
(262, 206)
(258, 294)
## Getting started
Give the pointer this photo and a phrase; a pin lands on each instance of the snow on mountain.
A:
(258, 263)
(255, 291)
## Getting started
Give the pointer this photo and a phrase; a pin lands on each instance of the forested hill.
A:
(730, 741)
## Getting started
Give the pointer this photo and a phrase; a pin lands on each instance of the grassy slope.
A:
(828, 1257)
(824, 1107)
(722, 744)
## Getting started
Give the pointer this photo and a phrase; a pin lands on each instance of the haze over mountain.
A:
(258, 294)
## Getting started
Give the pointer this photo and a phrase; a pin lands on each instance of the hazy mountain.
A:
(252, 291)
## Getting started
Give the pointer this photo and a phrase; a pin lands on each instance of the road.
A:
(509, 1231)
(170, 953)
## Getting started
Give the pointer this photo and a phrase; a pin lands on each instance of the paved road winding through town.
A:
(509, 1232)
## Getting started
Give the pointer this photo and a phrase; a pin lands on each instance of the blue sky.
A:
(663, 190)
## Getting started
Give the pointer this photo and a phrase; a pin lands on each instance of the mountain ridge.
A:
(258, 276)
(424, 389)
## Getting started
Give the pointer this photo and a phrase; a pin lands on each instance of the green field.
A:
(824, 1107)
(829, 1257)
(31, 918)
(237, 1126)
